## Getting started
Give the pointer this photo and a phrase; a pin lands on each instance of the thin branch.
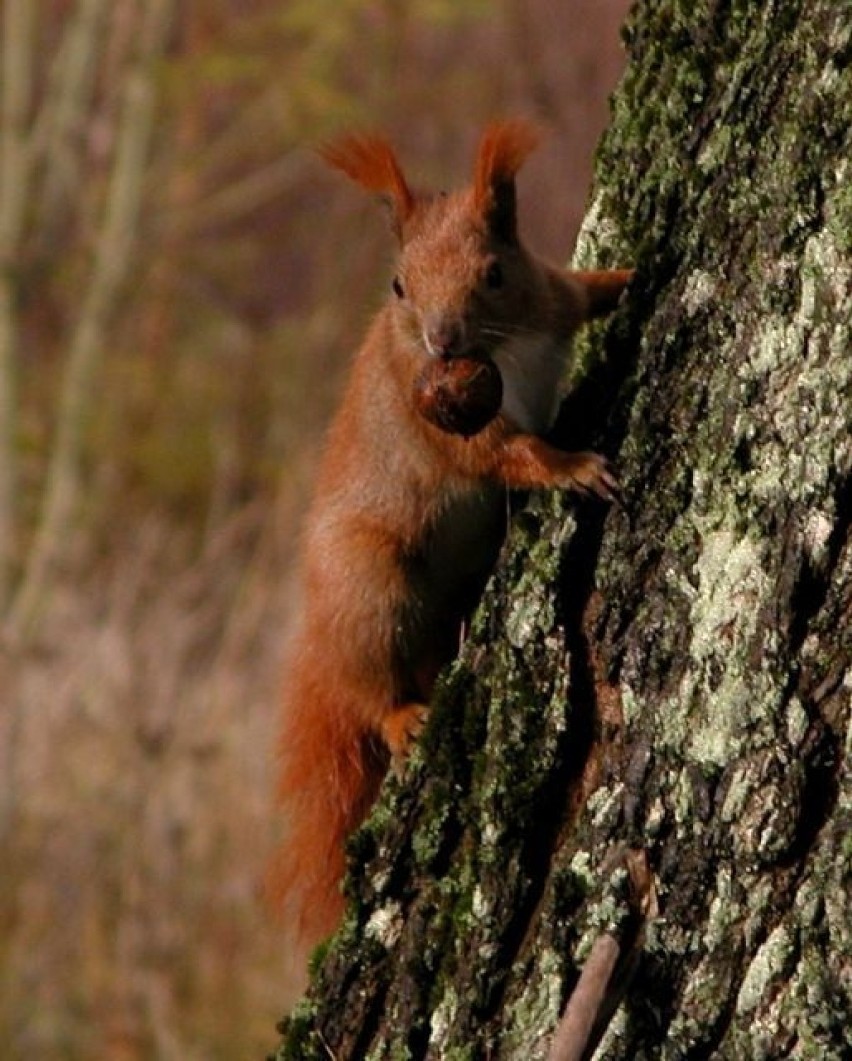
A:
(241, 198)
(610, 966)
(18, 29)
(56, 143)
(113, 255)
(250, 122)
(586, 1001)
(15, 162)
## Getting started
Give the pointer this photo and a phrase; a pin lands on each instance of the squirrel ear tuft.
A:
(370, 161)
(502, 150)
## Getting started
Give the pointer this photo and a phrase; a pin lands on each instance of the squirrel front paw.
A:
(589, 473)
(400, 729)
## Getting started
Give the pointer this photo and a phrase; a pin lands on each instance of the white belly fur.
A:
(532, 368)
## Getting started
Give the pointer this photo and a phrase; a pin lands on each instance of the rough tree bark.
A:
(668, 682)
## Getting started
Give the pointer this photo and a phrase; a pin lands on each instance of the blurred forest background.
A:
(181, 287)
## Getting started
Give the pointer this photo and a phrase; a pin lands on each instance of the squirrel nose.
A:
(444, 339)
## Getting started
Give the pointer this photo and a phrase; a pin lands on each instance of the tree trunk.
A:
(646, 736)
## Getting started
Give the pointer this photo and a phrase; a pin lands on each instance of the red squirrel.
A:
(407, 518)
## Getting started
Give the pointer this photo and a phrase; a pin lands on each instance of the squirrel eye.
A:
(398, 289)
(494, 275)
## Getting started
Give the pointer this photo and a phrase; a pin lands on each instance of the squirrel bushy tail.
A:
(330, 772)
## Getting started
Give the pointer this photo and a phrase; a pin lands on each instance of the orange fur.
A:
(502, 151)
(371, 162)
(603, 289)
(407, 520)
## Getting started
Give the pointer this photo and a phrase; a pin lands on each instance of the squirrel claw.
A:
(592, 474)
(400, 729)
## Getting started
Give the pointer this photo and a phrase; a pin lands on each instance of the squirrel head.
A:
(463, 273)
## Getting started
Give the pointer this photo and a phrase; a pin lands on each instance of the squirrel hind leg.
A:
(400, 728)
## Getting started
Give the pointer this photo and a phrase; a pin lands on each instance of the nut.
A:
(460, 395)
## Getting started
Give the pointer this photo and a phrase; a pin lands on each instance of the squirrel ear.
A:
(502, 150)
(370, 161)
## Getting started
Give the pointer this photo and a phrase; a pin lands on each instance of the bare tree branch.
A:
(584, 1005)
(113, 255)
(55, 143)
(242, 197)
(15, 162)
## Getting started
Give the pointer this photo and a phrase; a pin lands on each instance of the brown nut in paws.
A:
(460, 395)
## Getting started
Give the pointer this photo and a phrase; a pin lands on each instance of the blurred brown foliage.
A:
(181, 286)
